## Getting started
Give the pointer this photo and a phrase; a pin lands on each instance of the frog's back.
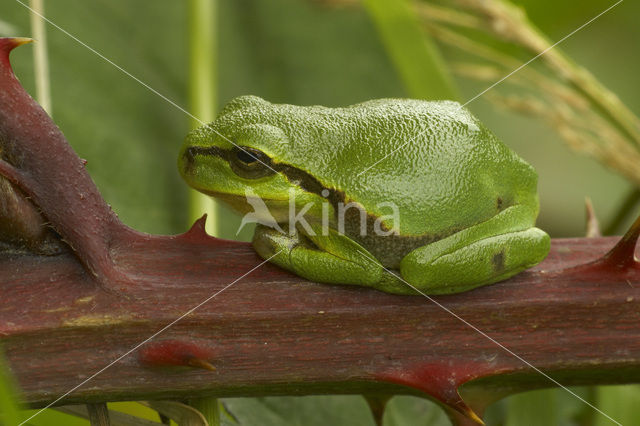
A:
(441, 168)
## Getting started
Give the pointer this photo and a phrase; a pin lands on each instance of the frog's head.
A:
(243, 154)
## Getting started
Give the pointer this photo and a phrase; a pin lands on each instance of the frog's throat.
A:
(276, 208)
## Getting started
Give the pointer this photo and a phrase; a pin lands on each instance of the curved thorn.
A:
(7, 44)
(593, 226)
(473, 416)
(201, 363)
(623, 253)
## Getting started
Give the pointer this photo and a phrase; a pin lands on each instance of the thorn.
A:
(473, 416)
(201, 363)
(619, 260)
(441, 381)
(7, 44)
(176, 353)
(13, 42)
(593, 226)
(19, 41)
(198, 227)
(377, 405)
(200, 223)
(623, 254)
(198, 231)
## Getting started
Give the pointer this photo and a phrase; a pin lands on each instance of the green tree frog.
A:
(401, 195)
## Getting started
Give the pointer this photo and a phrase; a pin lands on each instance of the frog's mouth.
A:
(263, 208)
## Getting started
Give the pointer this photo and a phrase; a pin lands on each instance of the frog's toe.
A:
(301, 256)
(435, 269)
(392, 282)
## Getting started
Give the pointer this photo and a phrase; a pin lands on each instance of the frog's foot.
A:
(488, 252)
(332, 258)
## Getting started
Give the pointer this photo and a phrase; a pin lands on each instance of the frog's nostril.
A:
(189, 154)
(187, 160)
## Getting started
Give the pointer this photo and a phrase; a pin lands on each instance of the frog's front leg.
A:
(485, 253)
(331, 258)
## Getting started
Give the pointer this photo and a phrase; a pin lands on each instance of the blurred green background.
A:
(304, 52)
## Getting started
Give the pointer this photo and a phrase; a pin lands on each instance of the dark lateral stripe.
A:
(309, 183)
(214, 151)
(293, 174)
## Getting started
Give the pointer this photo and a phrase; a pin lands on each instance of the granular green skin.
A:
(465, 201)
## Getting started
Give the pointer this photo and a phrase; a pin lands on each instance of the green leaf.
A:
(533, 408)
(619, 402)
(9, 411)
(309, 411)
(414, 411)
(128, 134)
(416, 57)
(52, 417)
(7, 29)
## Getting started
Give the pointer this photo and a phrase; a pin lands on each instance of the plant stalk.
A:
(40, 57)
(203, 96)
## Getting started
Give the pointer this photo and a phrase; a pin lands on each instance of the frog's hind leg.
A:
(331, 258)
(485, 253)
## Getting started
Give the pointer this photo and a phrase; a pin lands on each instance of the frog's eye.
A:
(250, 158)
(250, 163)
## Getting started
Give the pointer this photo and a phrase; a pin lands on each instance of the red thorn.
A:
(473, 416)
(623, 254)
(441, 381)
(201, 363)
(72, 204)
(619, 260)
(176, 353)
(7, 44)
(197, 231)
(199, 225)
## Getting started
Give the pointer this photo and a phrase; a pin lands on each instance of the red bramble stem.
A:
(37, 158)
(272, 332)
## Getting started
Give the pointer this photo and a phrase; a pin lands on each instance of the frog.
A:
(401, 195)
